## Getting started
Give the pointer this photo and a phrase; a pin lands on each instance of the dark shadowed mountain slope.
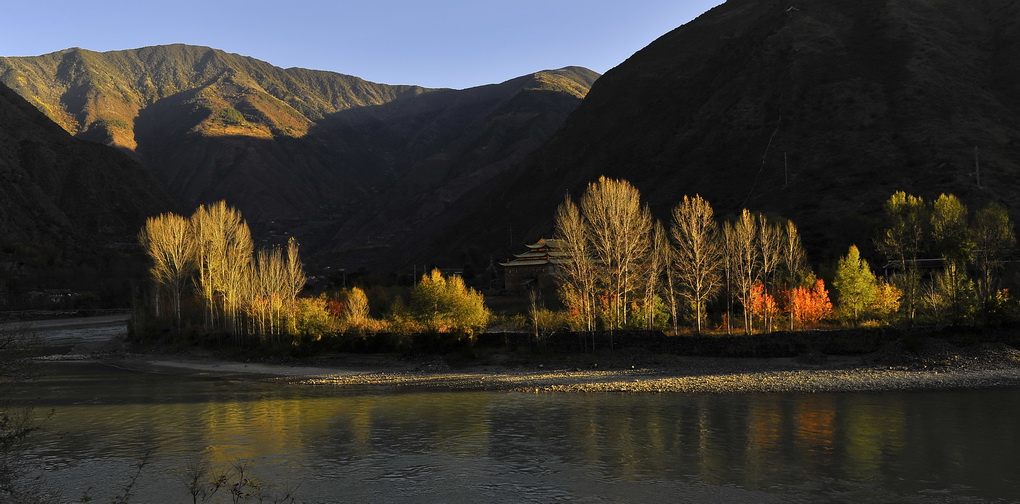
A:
(817, 113)
(513, 119)
(64, 201)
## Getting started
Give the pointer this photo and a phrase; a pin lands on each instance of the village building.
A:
(537, 266)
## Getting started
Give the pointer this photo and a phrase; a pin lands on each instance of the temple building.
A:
(537, 266)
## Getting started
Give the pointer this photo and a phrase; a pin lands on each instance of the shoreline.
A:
(937, 365)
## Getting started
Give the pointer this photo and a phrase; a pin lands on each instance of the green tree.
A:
(855, 284)
(952, 238)
(994, 238)
(903, 240)
(955, 290)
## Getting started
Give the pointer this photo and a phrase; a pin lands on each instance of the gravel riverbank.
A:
(936, 365)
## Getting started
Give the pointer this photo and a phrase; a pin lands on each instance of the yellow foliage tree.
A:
(171, 247)
(444, 304)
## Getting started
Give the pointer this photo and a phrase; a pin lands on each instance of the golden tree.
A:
(355, 312)
(171, 247)
(224, 259)
(295, 278)
(742, 246)
(243, 293)
(698, 254)
(619, 231)
(576, 272)
(794, 265)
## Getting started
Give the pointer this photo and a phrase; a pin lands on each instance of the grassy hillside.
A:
(99, 95)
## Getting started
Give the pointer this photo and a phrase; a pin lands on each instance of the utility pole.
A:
(977, 167)
(786, 168)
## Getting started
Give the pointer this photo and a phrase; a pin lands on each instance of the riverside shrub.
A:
(445, 305)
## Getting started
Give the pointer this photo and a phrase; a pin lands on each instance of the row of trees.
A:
(621, 261)
(972, 254)
(623, 267)
(242, 292)
(210, 258)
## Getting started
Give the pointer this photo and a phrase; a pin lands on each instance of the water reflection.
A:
(512, 447)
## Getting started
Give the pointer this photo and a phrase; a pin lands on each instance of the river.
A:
(368, 446)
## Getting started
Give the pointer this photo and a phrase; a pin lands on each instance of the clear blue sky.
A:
(434, 43)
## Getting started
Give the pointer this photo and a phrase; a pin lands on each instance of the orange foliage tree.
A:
(763, 305)
(808, 306)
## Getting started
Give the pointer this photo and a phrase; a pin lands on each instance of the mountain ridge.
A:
(816, 114)
(314, 149)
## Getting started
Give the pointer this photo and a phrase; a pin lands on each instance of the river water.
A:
(367, 446)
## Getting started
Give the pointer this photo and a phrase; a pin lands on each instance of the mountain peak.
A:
(315, 146)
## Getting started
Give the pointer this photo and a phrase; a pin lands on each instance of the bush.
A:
(312, 319)
(232, 117)
(445, 305)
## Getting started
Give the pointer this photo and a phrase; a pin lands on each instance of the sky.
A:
(435, 43)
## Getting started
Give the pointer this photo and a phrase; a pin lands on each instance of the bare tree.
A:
(794, 262)
(729, 267)
(698, 256)
(620, 234)
(577, 270)
(170, 245)
(746, 262)
(654, 265)
(770, 249)
(225, 256)
(269, 288)
(295, 280)
(669, 258)
(201, 230)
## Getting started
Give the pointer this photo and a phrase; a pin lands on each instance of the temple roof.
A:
(540, 253)
(534, 262)
(550, 243)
